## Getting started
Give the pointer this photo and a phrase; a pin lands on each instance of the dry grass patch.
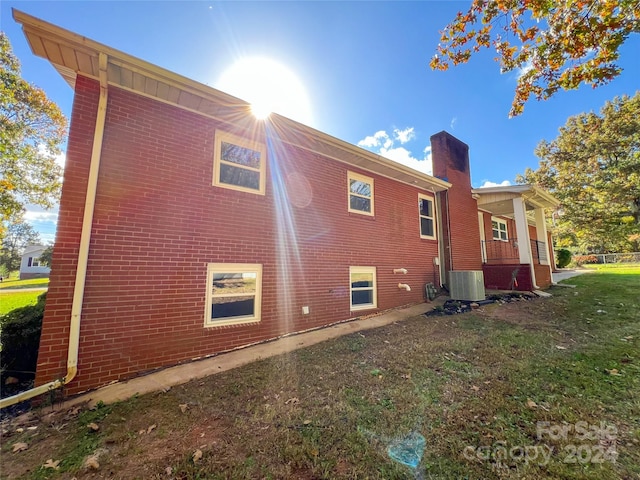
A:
(475, 386)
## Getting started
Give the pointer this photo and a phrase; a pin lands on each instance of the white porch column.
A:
(524, 240)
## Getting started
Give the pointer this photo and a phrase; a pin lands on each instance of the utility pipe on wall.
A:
(83, 251)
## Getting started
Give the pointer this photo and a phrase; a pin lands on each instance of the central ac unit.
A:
(466, 285)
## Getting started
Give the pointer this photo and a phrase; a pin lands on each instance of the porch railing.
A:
(506, 251)
(539, 251)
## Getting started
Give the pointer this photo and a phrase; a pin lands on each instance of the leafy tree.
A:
(555, 44)
(32, 129)
(45, 258)
(593, 168)
(18, 235)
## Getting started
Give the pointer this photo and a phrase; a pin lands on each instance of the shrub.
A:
(563, 258)
(20, 338)
(582, 259)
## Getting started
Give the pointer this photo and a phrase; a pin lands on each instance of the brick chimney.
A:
(458, 210)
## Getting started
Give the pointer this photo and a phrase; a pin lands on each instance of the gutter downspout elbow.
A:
(83, 251)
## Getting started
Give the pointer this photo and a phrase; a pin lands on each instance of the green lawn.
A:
(613, 267)
(548, 388)
(13, 300)
(15, 283)
(12, 297)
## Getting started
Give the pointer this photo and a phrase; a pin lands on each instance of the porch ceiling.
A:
(72, 54)
(499, 200)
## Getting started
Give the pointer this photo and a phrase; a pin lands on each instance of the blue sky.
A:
(363, 65)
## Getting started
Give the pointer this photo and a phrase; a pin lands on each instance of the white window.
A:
(362, 286)
(499, 229)
(427, 217)
(234, 292)
(33, 262)
(360, 193)
(239, 164)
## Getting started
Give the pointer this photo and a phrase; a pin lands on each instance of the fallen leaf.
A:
(307, 422)
(151, 428)
(51, 464)
(560, 347)
(613, 371)
(19, 447)
(74, 411)
(91, 463)
(93, 426)
(20, 430)
(531, 403)
(183, 407)
(292, 401)
(168, 470)
(142, 432)
(197, 455)
(474, 388)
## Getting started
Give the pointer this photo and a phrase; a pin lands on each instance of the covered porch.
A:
(517, 253)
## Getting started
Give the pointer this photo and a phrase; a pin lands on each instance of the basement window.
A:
(234, 293)
(239, 164)
(362, 286)
(360, 193)
(499, 228)
(427, 217)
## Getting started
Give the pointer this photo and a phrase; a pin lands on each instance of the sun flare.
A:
(269, 87)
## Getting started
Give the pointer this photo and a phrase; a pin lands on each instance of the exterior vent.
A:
(466, 285)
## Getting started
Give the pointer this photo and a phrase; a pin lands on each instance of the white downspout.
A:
(83, 252)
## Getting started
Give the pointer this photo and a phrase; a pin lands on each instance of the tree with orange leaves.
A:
(555, 44)
(32, 129)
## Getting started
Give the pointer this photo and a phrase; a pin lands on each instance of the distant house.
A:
(30, 264)
(188, 227)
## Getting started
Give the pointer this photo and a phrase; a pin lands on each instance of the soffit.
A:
(72, 55)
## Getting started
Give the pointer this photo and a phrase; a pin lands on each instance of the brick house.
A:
(187, 227)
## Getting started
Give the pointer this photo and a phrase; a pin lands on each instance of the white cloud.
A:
(453, 122)
(488, 184)
(38, 216)
(384, 144)
(403, 136)
(374, 140)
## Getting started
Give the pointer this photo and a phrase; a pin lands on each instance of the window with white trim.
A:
(239, 164)
(234, 294)
(427, 217)
(499, 228)
(362, 287)
(360, 193)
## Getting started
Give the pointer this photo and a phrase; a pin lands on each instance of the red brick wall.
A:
(459, 208)
(498, 277)
(158, 222)
(499, 252)
(543, 275)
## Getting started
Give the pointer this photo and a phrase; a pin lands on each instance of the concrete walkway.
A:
(566, 273)
(18, 289)
(177, 375)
